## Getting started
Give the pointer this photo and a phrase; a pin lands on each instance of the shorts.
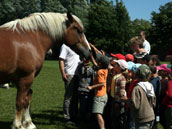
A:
(99, 103)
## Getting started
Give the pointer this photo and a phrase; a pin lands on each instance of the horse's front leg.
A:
(20, 100)
(27, 121)
(22, 103)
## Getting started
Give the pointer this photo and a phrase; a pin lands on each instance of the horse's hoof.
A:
(29, 125)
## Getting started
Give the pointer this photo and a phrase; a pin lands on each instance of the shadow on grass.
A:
(5, 125)
(54, 117)
(48, 117)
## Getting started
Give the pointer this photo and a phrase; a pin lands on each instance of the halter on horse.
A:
(23, 45)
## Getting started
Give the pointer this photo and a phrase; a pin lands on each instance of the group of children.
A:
(126, 92)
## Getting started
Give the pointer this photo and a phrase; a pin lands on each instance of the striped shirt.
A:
(118, 86)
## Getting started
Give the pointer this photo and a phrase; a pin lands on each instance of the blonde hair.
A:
(53, 24)
(137, 40)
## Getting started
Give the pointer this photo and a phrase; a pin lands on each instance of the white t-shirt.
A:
(71, 59)
(146, 46)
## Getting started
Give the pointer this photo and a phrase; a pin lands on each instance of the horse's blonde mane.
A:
(52, 24)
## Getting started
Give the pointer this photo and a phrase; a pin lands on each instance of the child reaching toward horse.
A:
(100, 97)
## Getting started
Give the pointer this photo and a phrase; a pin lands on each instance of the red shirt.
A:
(168, 95)
(130, 88)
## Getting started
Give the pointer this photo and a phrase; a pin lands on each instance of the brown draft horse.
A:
(23, 45)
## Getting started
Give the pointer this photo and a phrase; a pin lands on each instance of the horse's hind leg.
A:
(27, 121)
(22, 101)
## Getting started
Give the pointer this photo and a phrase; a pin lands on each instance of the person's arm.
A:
(61, 65)
(95, 86)
(93, 61)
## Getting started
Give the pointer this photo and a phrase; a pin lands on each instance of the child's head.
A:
(102, 60)
(132, 67)
(129, 57)
(118, 56)
(154, 61)
(119, 65)
(136, 43)
(164, 70)
(143, 73)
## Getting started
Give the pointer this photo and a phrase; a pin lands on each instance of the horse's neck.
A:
(47, 42)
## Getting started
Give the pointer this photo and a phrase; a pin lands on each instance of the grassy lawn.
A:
(46, 104)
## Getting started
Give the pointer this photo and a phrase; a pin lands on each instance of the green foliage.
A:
(78, 8)
(11, 10)
(161, 32)
(109, 26)
(102, 25)
(140, 24)
(52, 6)
(124, 27)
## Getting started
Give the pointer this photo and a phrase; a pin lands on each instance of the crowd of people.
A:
(132, 91)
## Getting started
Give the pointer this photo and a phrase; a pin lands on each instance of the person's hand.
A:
(65, 77)
(103, 53)
(89, 88)
(142, 50)
(94, 48)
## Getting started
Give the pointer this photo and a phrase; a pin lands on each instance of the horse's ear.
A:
(70, 17)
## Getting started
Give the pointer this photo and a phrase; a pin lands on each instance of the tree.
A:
(52, 6)
(78, 8)
(124, 27)
(102, 26)
(140, 24)
(161, 32)
(11, 10)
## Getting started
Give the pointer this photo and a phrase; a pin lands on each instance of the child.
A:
(118, 92)
(154, 60)
(143, 100)
(136, 44)
(85, 75)
(132, 67)
(155, 81)
(129, 57)
(168, 103)
(163, 71)
(100, 98)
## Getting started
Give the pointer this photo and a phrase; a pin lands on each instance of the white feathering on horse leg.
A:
(27, 121)
(17, 122)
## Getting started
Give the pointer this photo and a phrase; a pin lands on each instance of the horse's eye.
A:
(79, 31)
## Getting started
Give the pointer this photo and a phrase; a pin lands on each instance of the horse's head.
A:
(75, 37)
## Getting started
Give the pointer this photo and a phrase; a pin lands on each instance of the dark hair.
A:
(155, 58)
(142, 31)
(152, 69)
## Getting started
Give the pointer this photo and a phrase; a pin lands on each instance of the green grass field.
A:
(46, 104)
